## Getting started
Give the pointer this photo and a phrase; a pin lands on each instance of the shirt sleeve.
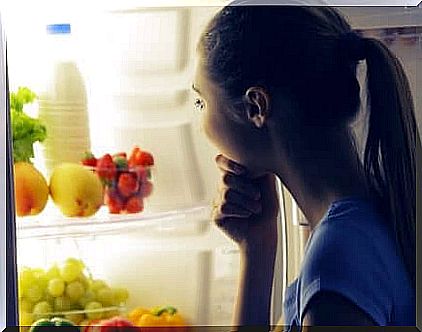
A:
(344, 260)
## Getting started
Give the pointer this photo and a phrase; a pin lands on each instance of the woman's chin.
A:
(253, 170)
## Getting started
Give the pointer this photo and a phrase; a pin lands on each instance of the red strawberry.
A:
(120, 162)
(133, 155)
(127, 184)
(145, 159)
(134, 204)
(106, 169)
(113, 201)
(89, 160)
(140, 158)
(146, 189)
(141, 172)
(120, 154)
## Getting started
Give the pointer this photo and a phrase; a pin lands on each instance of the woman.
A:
(278, 90)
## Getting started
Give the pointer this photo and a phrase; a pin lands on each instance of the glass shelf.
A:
(51, 224)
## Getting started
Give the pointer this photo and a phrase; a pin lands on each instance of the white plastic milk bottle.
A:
(63, 102)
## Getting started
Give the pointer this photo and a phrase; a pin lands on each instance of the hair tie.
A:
(353, 46)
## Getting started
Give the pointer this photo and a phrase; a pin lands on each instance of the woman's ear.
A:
(257, 103)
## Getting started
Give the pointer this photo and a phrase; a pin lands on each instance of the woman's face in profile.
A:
(216, 122)
(228, 130)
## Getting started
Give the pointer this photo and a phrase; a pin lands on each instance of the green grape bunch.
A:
(66, 290)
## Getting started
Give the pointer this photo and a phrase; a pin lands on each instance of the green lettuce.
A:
(25, 129)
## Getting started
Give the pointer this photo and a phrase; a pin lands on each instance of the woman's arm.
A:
(255, 284)
(331, 309)
(246, 210)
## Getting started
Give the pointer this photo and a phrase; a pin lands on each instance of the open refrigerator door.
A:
(137, 65)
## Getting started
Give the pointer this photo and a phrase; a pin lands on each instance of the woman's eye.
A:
(199, 104)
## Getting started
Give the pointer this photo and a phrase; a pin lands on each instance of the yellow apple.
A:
(76, 190)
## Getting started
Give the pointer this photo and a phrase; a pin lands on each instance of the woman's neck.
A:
(319, 178)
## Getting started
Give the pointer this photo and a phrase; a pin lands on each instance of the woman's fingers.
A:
(239, 199)
(246, 205)
(241, 185)
(228, 165)
(234, 204)
(229, 210)
(233, 197)
(235, 176)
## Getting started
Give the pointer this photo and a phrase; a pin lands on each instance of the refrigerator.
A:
(137, 61)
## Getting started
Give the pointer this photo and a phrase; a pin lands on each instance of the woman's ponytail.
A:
(390, 152)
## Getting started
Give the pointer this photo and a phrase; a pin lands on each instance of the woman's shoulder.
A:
(352, 253)
(354, 237)
(353, 221)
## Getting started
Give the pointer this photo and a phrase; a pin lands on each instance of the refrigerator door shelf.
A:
(184, 222)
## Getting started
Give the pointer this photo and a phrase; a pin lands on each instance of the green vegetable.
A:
(46, 324)
(158, 311)
(25, 129)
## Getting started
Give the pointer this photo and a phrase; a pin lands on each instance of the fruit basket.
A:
(127, 181)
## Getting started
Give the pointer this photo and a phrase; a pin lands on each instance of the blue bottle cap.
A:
(54, 29)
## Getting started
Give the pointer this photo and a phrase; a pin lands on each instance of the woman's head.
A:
(288, 74)
(289, 59)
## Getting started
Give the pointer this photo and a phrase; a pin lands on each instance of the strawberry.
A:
(133, 156)
(127, 184)
(106, 169)
(145, 159)
(115, 204)
(89, 160)
(120, 162)
(134, 204)
(146, 189)
(141, 172)
(120, 154)
(140, 158)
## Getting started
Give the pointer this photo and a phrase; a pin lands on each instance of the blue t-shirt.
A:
(353, 252)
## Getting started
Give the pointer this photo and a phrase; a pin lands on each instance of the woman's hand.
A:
(246, 208)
